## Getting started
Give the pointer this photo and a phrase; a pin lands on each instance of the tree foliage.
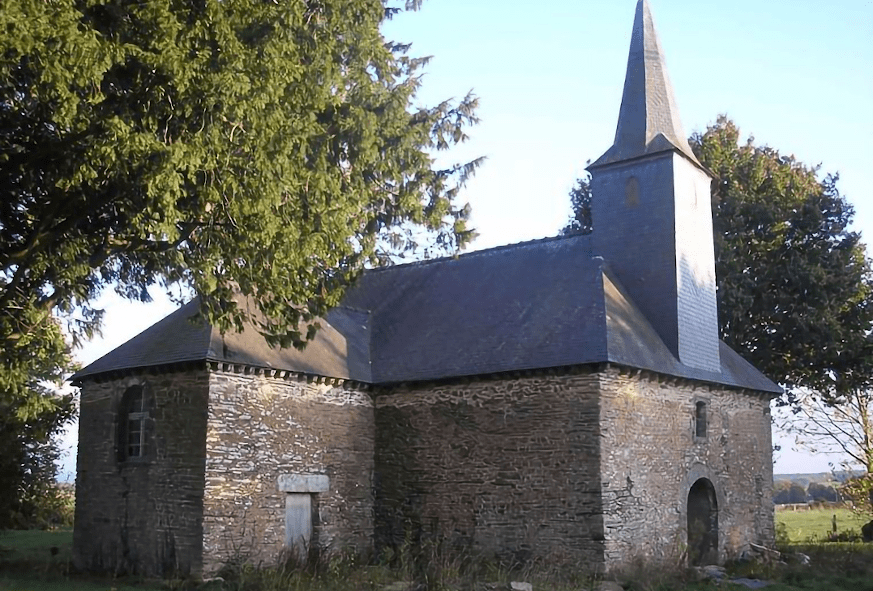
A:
(842, 426)
(786, 492)
(794, 284)
(819, 492)
(230, 145)
(31, 414)
(580, 206)
(268, 149)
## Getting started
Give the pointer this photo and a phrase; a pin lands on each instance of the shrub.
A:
(847, 535)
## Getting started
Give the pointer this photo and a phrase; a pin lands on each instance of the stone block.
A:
(304, 483)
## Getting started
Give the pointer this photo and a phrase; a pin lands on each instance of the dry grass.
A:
(28, 565)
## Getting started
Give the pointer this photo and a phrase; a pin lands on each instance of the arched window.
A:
(133, 425)
(700, 420)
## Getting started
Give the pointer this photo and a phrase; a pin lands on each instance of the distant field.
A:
(815, 524)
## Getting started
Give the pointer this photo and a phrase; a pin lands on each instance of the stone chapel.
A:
(565, 399)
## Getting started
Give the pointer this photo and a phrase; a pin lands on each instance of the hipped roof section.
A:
(181, 338)
(535, 305)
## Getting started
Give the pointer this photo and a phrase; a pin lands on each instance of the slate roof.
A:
(338, 350)
(648, 121)
(535, 305)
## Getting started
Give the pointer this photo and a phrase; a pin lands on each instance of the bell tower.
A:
(651, 208)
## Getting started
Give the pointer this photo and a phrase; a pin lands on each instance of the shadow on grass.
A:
(38, 560)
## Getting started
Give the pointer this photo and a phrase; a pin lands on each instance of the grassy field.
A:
(29, 563)
(815, 524)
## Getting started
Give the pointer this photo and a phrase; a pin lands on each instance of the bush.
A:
(782, 536)
(47, 507)
(848, 535)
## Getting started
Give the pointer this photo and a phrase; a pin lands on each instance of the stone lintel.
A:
(304, 483)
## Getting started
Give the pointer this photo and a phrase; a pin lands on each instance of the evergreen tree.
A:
(267, 149)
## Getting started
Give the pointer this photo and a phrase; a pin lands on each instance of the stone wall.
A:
(142, 516)
(263, 427)
(651, 458)
(589, 468)
(504, 467)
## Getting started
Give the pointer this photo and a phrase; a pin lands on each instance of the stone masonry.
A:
(504, 466)
(592, 469)
(261, 428)
(143, 517)
(651, 458)
(208, 490)
(590, 466)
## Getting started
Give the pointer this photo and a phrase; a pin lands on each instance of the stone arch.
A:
(702, 523)
(696, 472)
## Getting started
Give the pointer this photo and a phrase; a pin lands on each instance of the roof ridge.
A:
(352, 308)
(483, 251)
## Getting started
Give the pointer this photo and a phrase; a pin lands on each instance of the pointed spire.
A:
(648, 121)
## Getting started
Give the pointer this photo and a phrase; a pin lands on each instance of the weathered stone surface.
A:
(593, 467)
(260, 428)
(589, 467)
(142, 516)
(712, 571)
(208, 486)
(650, 459)
(501, 466)
(304, 483)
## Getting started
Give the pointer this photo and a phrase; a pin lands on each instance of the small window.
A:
(133, 424)
(700, 420)
(632, 192)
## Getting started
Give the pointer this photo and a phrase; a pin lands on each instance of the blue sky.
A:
(795, 74)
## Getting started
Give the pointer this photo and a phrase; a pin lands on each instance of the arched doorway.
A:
(702, 523)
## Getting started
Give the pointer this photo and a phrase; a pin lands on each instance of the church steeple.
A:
(651, 209)
(648, 121)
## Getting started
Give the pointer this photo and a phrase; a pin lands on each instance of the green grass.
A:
(36, 545)
(33, 582)
(27, 563)
(815, 524)
(833, 567)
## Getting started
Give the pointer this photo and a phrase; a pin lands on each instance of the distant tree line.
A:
(787, 492)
